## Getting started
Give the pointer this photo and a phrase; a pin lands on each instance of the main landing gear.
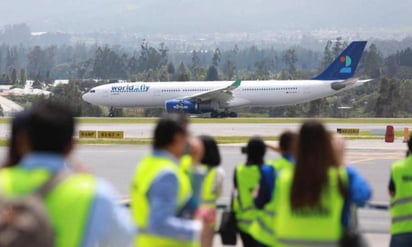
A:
(223, 114)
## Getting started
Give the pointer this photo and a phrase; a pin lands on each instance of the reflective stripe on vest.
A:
(262, 229)
(68, 204)
(146, 172)
(247, 177)
(401, 203)
(207, 196)
(311, 227)
(307, 243)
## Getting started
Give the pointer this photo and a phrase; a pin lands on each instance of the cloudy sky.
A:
(192, 16)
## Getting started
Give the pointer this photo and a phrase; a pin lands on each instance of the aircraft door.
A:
(156, 92)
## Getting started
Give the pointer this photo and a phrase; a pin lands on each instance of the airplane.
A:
(217, 98)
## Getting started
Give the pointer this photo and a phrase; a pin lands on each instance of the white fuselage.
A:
(249, 93)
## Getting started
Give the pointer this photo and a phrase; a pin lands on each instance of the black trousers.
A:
(249, 241)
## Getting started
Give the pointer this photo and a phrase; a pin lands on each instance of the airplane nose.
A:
(86, 97)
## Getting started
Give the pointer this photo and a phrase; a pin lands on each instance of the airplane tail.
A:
(344, 66)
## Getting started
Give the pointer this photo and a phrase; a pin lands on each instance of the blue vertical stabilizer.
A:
(344, 66)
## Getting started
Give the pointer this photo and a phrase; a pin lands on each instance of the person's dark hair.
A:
(211, 157)
(255, 151)
(286, 141)
(166, 129)
(50, 127)
(18, 128)
(410, 144)
(315, 155)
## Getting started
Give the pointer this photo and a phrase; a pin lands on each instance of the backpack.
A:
(24, 221)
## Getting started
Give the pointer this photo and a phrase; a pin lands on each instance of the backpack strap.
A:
(51, 183)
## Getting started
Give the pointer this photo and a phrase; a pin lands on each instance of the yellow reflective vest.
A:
(68, 204)
(247, 177)
(401, 203)
(282, 163)
(207, 196)
(319, 226)
(262, 227)
(146, 172)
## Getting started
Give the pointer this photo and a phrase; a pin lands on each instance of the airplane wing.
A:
(221, 95)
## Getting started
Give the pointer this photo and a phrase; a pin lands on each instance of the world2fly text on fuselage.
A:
(129, 89)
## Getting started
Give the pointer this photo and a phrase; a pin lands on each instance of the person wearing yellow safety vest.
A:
(286, 145)
(309, 199)
(250, 179)
(82, 208)
(400, 190)
(160, 191)
(211, 185)
(262, 227)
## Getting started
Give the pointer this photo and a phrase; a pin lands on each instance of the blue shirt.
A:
(266, 185)
(359, 193)
(163, 218)
(109, 224)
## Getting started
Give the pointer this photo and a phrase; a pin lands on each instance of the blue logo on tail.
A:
(347, 61)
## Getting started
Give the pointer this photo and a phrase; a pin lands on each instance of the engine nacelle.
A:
(185, 106)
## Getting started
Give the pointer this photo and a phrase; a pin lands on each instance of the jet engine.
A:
(187, 106)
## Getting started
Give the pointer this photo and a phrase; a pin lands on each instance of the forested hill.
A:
(387, 96)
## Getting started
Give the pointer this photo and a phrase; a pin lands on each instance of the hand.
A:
(206, 215)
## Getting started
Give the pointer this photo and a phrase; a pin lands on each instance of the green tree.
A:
(36, 58)
(290, 60)
(71, 95)
(372, 63)
(388, 102)
(5, 79)
(212, 74)
(195, 67)
(182, 73)
(327, 55)
(229, 69)
(338, 46)
(13, 76)
(171, 68)
(22, 82)
(216, 57)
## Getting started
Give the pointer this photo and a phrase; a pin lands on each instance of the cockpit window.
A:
(92, 91)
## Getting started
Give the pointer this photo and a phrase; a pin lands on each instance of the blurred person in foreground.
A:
(262, 227)
(18, 133)
(400, 190)
(309, 199)
(189, 163)
(161, 190)
(286, 146)
(211, 186)
(253, 182)
(17, 149)
(82, 208)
